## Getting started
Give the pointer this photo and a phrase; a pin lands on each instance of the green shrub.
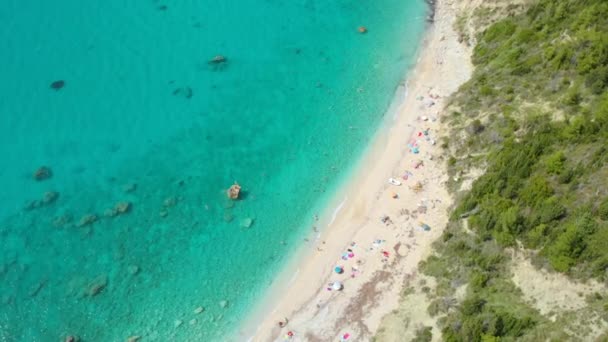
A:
(424, 334)
(603, 210)
(555, 162)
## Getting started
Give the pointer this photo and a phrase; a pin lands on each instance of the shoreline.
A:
(350, 221)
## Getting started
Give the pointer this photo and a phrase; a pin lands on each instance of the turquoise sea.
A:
(142, 118)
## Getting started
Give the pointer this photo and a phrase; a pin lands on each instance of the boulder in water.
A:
(223, 304)
(234, 191)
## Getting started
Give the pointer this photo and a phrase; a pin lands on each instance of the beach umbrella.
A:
(339, 269)
(337, 286)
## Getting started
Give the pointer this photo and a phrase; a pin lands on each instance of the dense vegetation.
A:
(535, 115)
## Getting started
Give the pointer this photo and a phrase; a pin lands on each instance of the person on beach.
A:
(282, 324)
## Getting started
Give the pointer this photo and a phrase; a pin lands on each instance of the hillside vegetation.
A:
(534, 118)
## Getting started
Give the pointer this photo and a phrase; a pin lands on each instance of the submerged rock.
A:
(50, 197)
(218, 63)
(71, 338)
(218, 59)
(56, 85)
(246, 222)
(169, 202)
(133, 269)
(186, 92)
(110, 212)
(228, 217)
(43, 173)
(119, 209)
(31, 205)
(123, 207)
(87, 219)
(133, 338)
(128, 188)
(199, 310)
(33, 292)
(62, 220)
(97, 286)
(223, 304)
(177, 323)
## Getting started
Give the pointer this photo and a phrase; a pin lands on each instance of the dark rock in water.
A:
(50, 197)
(186, 92)
(162, 7)
(43, 173)
(56, 85)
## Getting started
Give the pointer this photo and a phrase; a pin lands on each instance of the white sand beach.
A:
(377, 257)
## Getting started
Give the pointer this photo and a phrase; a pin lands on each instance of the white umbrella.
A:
(337, 286)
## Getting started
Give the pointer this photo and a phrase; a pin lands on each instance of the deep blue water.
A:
(144, 118)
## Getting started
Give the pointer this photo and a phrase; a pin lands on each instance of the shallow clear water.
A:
(301, 94)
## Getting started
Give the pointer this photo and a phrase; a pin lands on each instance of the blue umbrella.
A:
(338, 269)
